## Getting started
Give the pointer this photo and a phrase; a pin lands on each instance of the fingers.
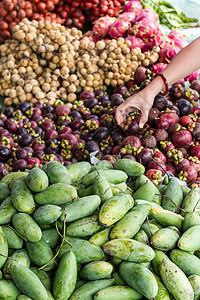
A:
(143, 118)
(120, 116)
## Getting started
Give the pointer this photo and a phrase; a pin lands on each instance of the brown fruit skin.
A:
(181, 138)
(149, 141)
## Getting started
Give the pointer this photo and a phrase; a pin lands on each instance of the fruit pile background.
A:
(88, 208)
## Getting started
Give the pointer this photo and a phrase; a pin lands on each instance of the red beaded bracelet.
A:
(165, 82)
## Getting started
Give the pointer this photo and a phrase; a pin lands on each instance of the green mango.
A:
(5, 191)
(112, 176)
(195, 283)
(188, 263)
(51, 237)
(20, 256)
(56, 172)
(114, 209)
(117, 293)
(80, 208)
(165, 239)
(27, 282)
(175, 281)
(174, 193)
(129, 166)
(47, 214)
(84, 227)
(13, 240)
(142, 237)
(22, 198)
(95, 270)
(27, 227)
(87, 290)
(102, 188)
(8, 290)
(167, 217)
(190, 239)
(190, 201)
(57, 193)
(37, 180)
(43, 276)
(85, 251)
(65, 277)
(145, 192)
(41, 254)
(139, 278)
(163, 293)
(130, 224)
(191, 219)
(7, 211)
(101, 237)
(159, 256)
(78, 170)
(129, 249)
(3, 247)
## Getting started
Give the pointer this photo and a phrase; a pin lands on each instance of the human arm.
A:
(183, 64)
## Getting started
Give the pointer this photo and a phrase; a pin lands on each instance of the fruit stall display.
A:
(89, 210)
(85, 232)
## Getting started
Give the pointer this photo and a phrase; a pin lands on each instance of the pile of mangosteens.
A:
(170, 140)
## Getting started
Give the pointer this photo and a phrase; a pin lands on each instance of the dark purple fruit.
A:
(20, 165)
(75, 115)
(8, 111)
(195, 84)
(176, 91)
(23, 106)
(92, 146)
(121, 89)
(184, 106)
(22, 154)
(101, 134)
(87, 136)
(149, 141)
(4, 153)
(91, 102)
(21, 131)
(144, 156)
(116, 100)
(140, 74)
(25, 140)
(160, 102)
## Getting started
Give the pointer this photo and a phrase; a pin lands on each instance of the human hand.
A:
(137, 101)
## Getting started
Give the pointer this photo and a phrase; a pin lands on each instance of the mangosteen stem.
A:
(63, 239)
(173, 202)
(106, 192)
(97, 170)
(160, 166)
(149, 226)
(195, 206)
(8, 257)
(21, 236)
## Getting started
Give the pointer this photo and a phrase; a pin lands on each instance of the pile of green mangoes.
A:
(100, 232)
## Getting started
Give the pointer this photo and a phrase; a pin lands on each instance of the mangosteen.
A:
(140, 74)
(25, 140)
(4, 153)
(121, 89)
(176, 91)
(153, 114)
(160, 135)
(92, 146)
(184, 106)
(149, 141)
(195, 84)
(196, 130)
(116, 99)
(101, 134)
(144, 156)
(91, 102)
(23, 106)
(160, 102)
